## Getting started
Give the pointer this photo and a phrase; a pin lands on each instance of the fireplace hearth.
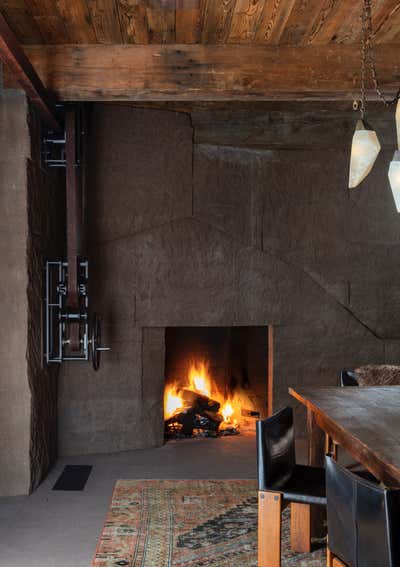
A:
(215, 380)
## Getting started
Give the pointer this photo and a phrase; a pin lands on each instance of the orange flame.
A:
(227, 411)
(172, 402)
(199, 379)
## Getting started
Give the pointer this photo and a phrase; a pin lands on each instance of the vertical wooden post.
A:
(300, 527)
(270, 378)
(316, 458)
(316, 441)
(307, 520)
(269, 529)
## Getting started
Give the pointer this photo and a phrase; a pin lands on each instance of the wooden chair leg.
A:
(269, 529)
(300, 527)
(332, 561)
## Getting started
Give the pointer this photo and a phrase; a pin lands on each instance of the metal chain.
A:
(368, 59)
(363, 58)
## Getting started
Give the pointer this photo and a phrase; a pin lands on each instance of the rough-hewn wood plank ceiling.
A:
(273, 22)
(204, 49)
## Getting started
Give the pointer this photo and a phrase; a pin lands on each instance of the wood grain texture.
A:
(338, 21)
(77, 21)
(386, 23)
(269, 529)
(133, 19)
(161, 21)
(273, 20)
(188, 21)
(364, 421)
(300, 22)
(48, 19)
(216, 20)
(246, 19)
(300, 527)
(194, 72)
(20, 20)
(105, 18)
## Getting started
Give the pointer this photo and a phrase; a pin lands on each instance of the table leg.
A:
(316, 458)
(316, 441)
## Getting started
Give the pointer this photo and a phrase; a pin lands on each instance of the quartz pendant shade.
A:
(398, 123)
(394, 178)
(365, 148)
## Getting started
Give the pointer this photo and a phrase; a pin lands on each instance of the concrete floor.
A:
(61, 529)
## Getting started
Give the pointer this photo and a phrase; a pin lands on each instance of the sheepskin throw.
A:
(378, 375)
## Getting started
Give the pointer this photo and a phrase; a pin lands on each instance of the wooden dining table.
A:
(364, 421)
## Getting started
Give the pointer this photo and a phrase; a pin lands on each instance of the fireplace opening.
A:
(216, 380)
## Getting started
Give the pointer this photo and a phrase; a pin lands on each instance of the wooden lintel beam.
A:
(12, 55)
(209, 72)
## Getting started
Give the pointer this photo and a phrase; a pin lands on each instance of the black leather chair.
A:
(363, 520)
(281, 481)
(348, 378)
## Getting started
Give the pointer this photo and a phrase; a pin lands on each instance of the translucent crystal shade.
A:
(364, 151)
(394, 178)
(398, 123)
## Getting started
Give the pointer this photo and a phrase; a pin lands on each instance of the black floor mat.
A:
(73, 477)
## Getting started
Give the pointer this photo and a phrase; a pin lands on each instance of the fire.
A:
(172, 402)
(199, 379)
(227, 411)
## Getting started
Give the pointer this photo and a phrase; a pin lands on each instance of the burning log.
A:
(199, 401)
(208, 420)
(200, 417)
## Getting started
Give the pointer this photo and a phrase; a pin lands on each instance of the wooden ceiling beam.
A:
(203, 72)
(14, 57)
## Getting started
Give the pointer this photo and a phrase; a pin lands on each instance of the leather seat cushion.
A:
(306, 485)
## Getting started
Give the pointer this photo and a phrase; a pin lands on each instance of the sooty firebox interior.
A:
(215, 380)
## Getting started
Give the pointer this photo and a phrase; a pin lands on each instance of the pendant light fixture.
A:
(394, 167)
(365, 146)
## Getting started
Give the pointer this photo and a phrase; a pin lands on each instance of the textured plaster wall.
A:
(46, 238)
(15, 397)
(205, 234)
(31, 228)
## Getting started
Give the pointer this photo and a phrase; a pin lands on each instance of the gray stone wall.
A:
(185, 233)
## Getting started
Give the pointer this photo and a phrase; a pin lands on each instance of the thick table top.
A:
(365, 421)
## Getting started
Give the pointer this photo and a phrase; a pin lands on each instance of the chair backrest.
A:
(348, 378)
(275, 450)
(363, 519)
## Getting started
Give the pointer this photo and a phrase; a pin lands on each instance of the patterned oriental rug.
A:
(188, 523)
